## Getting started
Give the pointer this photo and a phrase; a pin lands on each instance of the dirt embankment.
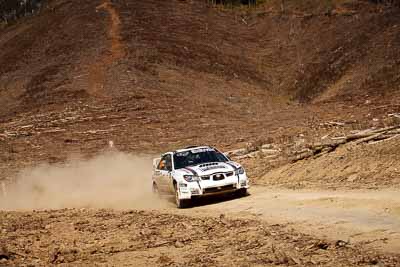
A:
(368, 166)
(364, 159)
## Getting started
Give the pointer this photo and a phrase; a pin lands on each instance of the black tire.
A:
(181, 203)
(242, 192)
(155, 189)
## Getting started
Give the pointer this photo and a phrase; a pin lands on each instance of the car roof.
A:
(189, 148)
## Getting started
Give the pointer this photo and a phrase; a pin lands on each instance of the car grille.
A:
(219, 189)
(218, 177)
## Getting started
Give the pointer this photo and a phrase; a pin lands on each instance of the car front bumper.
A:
(208, 188)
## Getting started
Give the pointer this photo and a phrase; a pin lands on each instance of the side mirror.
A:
(169, 167)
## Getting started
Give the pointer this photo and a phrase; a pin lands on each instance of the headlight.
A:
(239, 171)
(191, 178)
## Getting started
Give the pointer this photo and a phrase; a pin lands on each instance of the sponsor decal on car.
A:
(201, 150)
(191, 171)
(209, 168)
(232, 165)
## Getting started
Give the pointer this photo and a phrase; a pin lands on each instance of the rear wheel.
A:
(155, 189)
(181, 203)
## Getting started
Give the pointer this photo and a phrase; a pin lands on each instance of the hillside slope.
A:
(370, 166)
(154, 75)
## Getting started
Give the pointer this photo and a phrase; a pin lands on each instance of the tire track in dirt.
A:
(366, 217)
(98, 71)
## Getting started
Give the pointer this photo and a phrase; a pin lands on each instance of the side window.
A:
(168, 162)
(161, 164)
(165, 163)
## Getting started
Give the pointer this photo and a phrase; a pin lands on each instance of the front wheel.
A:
(181, 203)
(242, 192)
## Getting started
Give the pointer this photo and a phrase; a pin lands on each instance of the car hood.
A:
(210, 168)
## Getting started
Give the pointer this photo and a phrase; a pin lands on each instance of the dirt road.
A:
(313, 226)
(371, 218)
(269, 227)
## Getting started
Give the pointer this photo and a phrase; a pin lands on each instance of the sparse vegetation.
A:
(11, 10)
(325, 6)
(387, 2)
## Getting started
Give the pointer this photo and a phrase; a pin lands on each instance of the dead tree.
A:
(283, 6)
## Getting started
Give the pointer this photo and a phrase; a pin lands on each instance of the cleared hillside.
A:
(153, 75)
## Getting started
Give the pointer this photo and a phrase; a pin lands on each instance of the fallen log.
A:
(319, 149)
(370, 132)
(323, 152)
(396, 115)
(385, 139)
(361, 134)
(368, 138)
(325, 147)
(249, 155)
(96, 131)
(304, 155)
(270, 151)
(236, 152)
(333, 123)
(396, 131)
(56, 130)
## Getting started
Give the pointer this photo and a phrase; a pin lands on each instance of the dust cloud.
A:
(110, 180)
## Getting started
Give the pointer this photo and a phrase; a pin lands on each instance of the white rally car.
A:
(195, 172)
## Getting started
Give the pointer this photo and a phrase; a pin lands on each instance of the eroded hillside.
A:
(156, 74)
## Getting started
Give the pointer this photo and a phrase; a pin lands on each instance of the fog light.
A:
(243, 183)
(195, 191)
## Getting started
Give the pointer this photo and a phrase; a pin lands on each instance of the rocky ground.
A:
(75, 237)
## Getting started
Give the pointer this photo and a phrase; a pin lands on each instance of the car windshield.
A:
(197, 156)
